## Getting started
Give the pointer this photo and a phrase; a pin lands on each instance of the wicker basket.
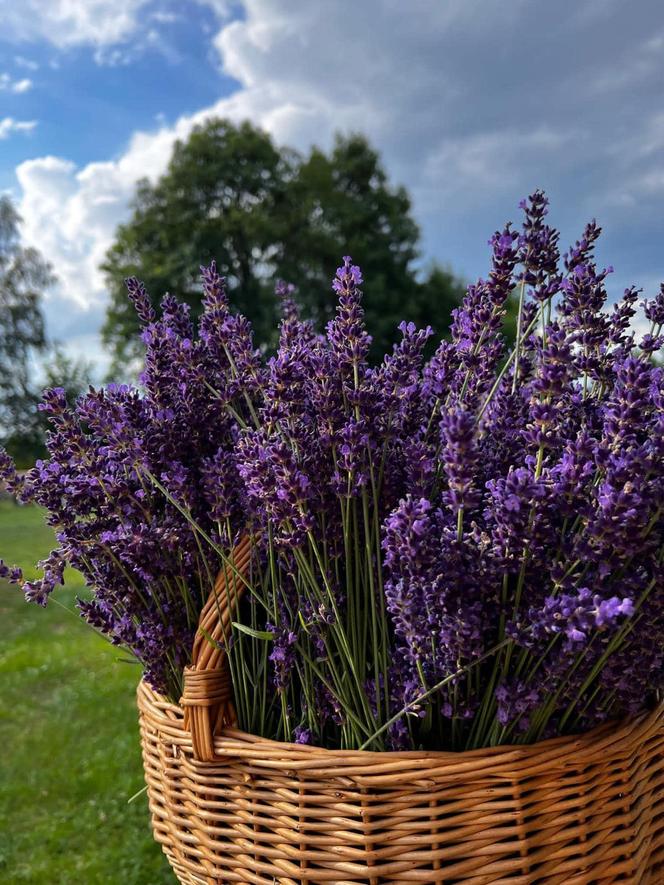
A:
(230, 807)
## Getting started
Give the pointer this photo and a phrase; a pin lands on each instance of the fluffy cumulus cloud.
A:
(66, 23)
(100, 23)
(471, 104)
(70, 214)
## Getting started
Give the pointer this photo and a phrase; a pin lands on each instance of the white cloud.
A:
(71, 213)
(470, 107)
(486, 162)
(8, 125)
(99, 23)
(635, 65)
(67, 23)
(23, 85)
(8, 84)
(283, 67)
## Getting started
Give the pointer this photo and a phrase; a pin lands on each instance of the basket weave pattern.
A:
(230, 807)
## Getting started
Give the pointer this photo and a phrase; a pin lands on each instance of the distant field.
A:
(69, 756)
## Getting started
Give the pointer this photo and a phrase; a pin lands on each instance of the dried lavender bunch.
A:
(113, 452)
(451, 554)
(541, 531)
(324, 464)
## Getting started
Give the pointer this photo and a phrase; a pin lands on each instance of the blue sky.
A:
(88, 98)
(473, 104)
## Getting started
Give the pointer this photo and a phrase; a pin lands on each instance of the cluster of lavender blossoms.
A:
(450, 552)
(112, 457)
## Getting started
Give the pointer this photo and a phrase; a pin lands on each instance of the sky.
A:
(472, 103)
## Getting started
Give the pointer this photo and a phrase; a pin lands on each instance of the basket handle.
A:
(207, 696)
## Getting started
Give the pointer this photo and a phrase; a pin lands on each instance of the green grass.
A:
(69, 748)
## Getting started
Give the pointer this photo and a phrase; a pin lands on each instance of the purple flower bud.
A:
(141, 301)
(654, 309)
(346, 333)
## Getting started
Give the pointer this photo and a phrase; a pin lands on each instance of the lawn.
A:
(70, 755)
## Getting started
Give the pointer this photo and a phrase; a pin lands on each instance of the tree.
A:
(73, 375)
(23, 277)
(435, 299)
(346, 204)
(26, 355)
(221, 197)
(510, 319)
(265, 213)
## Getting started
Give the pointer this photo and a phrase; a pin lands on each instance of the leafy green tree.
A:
(345, 204)
(510, 319)
(24, 275)
(73, 375)
(435, 299)
(26, 356)
(265, 213)
(221, 197)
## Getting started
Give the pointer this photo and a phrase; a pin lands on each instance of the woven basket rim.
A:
(265, 752)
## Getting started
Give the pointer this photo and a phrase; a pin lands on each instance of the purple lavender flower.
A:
(280, 491)
(353, 469)
(440, 371)
(582, 251)
(346, 333)
(303, 735)
(476, 326)
(12, 574)
(9, 476)
(282, 656)
(141, 301)
(411, 546)
(539, 252)
(516, 701)
(53, 570)
(221, 484)
(654, 309)
(407, 520)
(576, 616)
(459, 457)
(228, 340)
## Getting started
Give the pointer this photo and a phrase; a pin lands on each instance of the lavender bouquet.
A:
(449, 553)
(111, 454)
